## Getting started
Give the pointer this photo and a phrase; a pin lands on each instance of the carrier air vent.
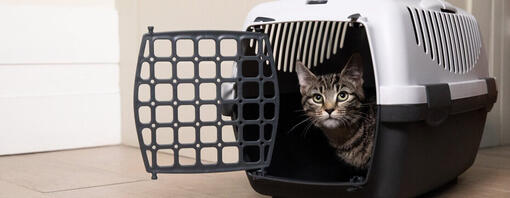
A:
(452, 40)
(309, 41)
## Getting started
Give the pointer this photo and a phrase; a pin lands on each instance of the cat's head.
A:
(333, 100)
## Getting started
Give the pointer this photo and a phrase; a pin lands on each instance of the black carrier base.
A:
(411, 158)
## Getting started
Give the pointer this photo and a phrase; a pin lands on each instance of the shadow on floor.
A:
(438, 191)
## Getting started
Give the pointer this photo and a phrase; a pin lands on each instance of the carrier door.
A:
(205, 101)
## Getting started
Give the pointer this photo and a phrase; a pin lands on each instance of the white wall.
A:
(58, 75)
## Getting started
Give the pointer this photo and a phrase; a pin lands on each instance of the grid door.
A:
(205, 101)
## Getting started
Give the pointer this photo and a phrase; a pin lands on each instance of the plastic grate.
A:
(312, 42)
(452, 40)
(205, 101)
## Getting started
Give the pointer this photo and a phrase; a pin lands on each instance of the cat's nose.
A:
(329, 111)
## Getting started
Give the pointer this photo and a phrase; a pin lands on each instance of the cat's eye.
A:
(342, 96)
(317, 98)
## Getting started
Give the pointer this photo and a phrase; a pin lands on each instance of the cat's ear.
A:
(305, 76)
(353, 70)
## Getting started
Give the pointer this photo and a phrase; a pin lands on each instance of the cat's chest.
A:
(337, 136)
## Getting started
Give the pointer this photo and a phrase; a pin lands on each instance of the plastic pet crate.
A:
(208, 101)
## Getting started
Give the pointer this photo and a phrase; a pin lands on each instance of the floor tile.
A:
(54, 171)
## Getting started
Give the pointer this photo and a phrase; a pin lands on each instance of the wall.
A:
(59, 75)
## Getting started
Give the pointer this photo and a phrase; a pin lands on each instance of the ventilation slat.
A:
(283, 42)
(464, 44)
(337, 36)
(301, 41)
(437, 36)
(428, 42)
(430, 32)
(293, 47)
(266, 31)
(448, 42)
(420, 24)
(467, 45)
(284, 51)
(413, 20)
(307, 41)
(444, 48)
(312, 44)
(457, 44)
(461, 45)
(255, 43)
(474, 29)
(318, 41)
(324, 42)
(457, 55)
(453, 45)
(473, 32)
(344, 31)
(252, 29)
(272, 34)
(275, 44)
(478, 37)
(471, 41)
(330, 39)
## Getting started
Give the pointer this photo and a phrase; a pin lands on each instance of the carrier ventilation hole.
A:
(452, 40)
(292, 41)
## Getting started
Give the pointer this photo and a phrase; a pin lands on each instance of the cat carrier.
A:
(209, 101)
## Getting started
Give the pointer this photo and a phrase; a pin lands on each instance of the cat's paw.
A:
(356, 179)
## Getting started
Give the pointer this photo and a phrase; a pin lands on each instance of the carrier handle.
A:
(315, 2)
(440, 103)
(438, 5)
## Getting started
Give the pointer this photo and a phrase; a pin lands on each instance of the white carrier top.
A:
(413, 42)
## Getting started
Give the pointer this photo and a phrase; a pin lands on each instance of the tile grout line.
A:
(22, 186)
(61, 150)
(103, 185)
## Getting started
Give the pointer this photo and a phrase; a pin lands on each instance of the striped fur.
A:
(348, 124)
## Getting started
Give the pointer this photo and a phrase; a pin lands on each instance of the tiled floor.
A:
(117, 171)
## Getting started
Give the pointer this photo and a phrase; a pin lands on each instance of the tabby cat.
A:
(336, 104)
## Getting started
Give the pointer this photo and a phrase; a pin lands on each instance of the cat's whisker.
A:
(345, 122)
(307, 128)
(294, 127)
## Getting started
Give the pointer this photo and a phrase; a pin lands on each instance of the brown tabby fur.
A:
(350, 124)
